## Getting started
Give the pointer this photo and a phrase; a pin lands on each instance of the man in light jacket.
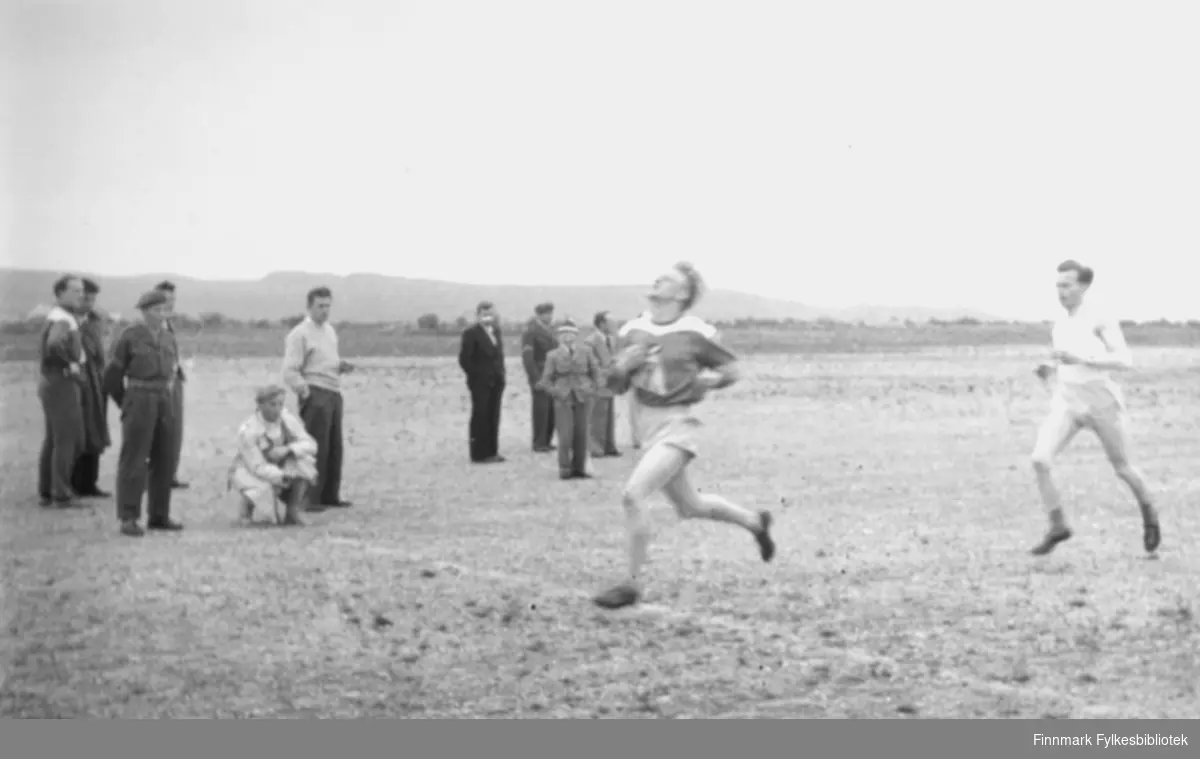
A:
(602, 427)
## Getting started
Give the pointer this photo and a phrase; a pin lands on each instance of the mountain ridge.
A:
(367, 297)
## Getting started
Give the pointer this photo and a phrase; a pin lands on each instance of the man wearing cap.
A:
(60, 389)
(603, 422)
(536, 344)
(571, 377)
(276, 459)
(167, 288)
(86, 477)
(140, 378)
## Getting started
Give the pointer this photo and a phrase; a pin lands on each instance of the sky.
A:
(942, 154)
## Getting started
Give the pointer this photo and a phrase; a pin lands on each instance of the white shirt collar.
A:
(313, 322)
(60, 314)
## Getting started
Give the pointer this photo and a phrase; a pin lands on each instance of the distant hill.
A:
(376, 298)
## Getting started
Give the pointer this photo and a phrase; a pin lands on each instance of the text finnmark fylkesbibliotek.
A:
(1108, 741)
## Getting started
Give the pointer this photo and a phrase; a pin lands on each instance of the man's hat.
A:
(151, 299)
(568, 325)
(269, 392)
(543, 308)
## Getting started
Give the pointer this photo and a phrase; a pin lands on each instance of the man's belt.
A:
(67, 372)
(155, 384)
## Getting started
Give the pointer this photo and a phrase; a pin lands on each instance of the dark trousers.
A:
(321, 413)
(62, 406)
(86, 477)
(543, 425)
(146, 461)
(177, 438)
(602, 427)
(293, 496)
(571, 417)
(486, 400)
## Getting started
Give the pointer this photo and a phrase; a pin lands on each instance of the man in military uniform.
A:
(571, 377)
(86, 478)
(167, 288)
(536, 344)
(140, 377)
(60, 389)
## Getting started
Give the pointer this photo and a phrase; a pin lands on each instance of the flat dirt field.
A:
(903, 586)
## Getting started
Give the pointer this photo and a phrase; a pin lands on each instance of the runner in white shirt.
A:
(1087, 346)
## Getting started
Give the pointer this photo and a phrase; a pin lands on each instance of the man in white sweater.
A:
(1087, 346)
(313, 369)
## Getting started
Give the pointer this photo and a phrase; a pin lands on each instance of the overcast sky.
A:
(836, 153)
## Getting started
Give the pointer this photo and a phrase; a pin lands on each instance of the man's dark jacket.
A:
(481, 359)
(536, 344)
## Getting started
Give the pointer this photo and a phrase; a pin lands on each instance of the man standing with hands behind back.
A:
(602, 426)
(313, 369)
(481, 358)
(536, 344)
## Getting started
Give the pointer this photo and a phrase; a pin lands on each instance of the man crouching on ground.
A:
(275, 460)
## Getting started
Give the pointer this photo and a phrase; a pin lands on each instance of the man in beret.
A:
(276, 460)
(536, 343)
(571, 377)
(140, 378)
(86, 478)
(167, 288)
(60, 389)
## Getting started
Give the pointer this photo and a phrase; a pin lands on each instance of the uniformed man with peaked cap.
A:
(140, 378)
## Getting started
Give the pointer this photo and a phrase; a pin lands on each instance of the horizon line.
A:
(963, 321)
(177, 276)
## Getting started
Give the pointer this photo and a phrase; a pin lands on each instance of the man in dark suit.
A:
(86, 477)
(482, 360)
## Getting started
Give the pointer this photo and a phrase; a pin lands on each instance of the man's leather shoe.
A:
(132, 529)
